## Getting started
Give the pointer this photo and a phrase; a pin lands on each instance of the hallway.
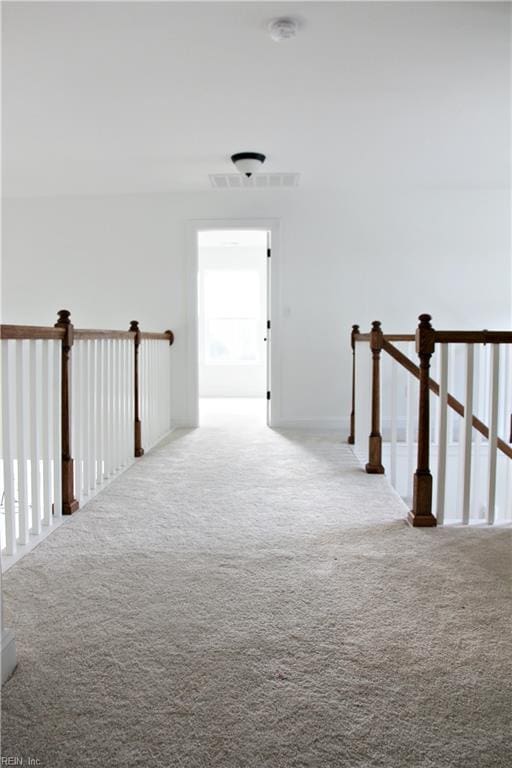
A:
(250, 598)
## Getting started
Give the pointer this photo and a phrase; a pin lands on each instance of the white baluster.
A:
(467, 435)
(412, 416)
(46, 436)
(21, 429)
(85, 415)
(142, 391)
(34, 378)
(115, 401)
(77, 434)
(111, 407)
(393, 418)
(99, 383)
(57, 451)
(8, 442)
(442, 433)
(493, 432)
(106, 411)
(126, 412)
(91, 424)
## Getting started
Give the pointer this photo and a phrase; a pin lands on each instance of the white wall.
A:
(346, 257)
(222, 380)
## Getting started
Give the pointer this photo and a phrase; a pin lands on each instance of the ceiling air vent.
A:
(256, 181)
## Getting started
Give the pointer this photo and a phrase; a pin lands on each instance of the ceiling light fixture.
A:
(248, 162)
(283, 28)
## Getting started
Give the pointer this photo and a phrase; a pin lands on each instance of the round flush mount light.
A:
(283, 28)
(248, 162)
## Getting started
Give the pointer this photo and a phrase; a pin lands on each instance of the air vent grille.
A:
(256, 181)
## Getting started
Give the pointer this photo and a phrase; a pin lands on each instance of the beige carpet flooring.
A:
(245, 598)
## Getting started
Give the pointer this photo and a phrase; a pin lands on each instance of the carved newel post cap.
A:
(376, 325)
(134, 325)
(64, 316)
(425, 321)
(355, 329)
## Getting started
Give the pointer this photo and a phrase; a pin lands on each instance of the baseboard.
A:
(339, 425)
(8, 660)
(183, 423)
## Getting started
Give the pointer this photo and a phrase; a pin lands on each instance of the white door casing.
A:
(272, 226)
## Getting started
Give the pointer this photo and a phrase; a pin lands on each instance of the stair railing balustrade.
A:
(473, 478)
(77, 406)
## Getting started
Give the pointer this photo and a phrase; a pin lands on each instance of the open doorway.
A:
(233, 326)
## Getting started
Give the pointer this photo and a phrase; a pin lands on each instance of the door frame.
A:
(273, 304)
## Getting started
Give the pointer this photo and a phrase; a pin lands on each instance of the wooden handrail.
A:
(91, 334)
(450, 337)
(457, 406)
(22, 332)
(34, 332)
(389, 336)
(165, 336)
(473, 337)
(400, 336)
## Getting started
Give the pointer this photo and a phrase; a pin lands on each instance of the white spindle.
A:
(91, 422)
(99, 412)
(106, 410)
(35, 430)
(85, 348)
(393, 424)
(77, 435)
(467, 435)
(126, 384)
(21, 430)
(46, 436)
(57, 467)
(111, 395)
(442, 433)
(119, 402)
(493, 432)
(115, 400)
(8, 436)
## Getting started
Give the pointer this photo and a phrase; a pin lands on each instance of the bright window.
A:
(232, 317)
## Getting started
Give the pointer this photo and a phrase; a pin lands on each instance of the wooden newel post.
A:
(138, 449)
(69, 503)
(352, 436)
(421, 513)
(374, 466)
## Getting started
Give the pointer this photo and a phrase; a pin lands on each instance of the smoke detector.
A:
(283, 28)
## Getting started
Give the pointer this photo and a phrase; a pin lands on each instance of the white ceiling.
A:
(130, 97)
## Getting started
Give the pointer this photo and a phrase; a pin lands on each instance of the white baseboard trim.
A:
(183, 423)
(329, 425)
(8, 659)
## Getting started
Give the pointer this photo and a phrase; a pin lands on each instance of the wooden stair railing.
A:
(426, 338)
(454, 404)
(65, 333)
